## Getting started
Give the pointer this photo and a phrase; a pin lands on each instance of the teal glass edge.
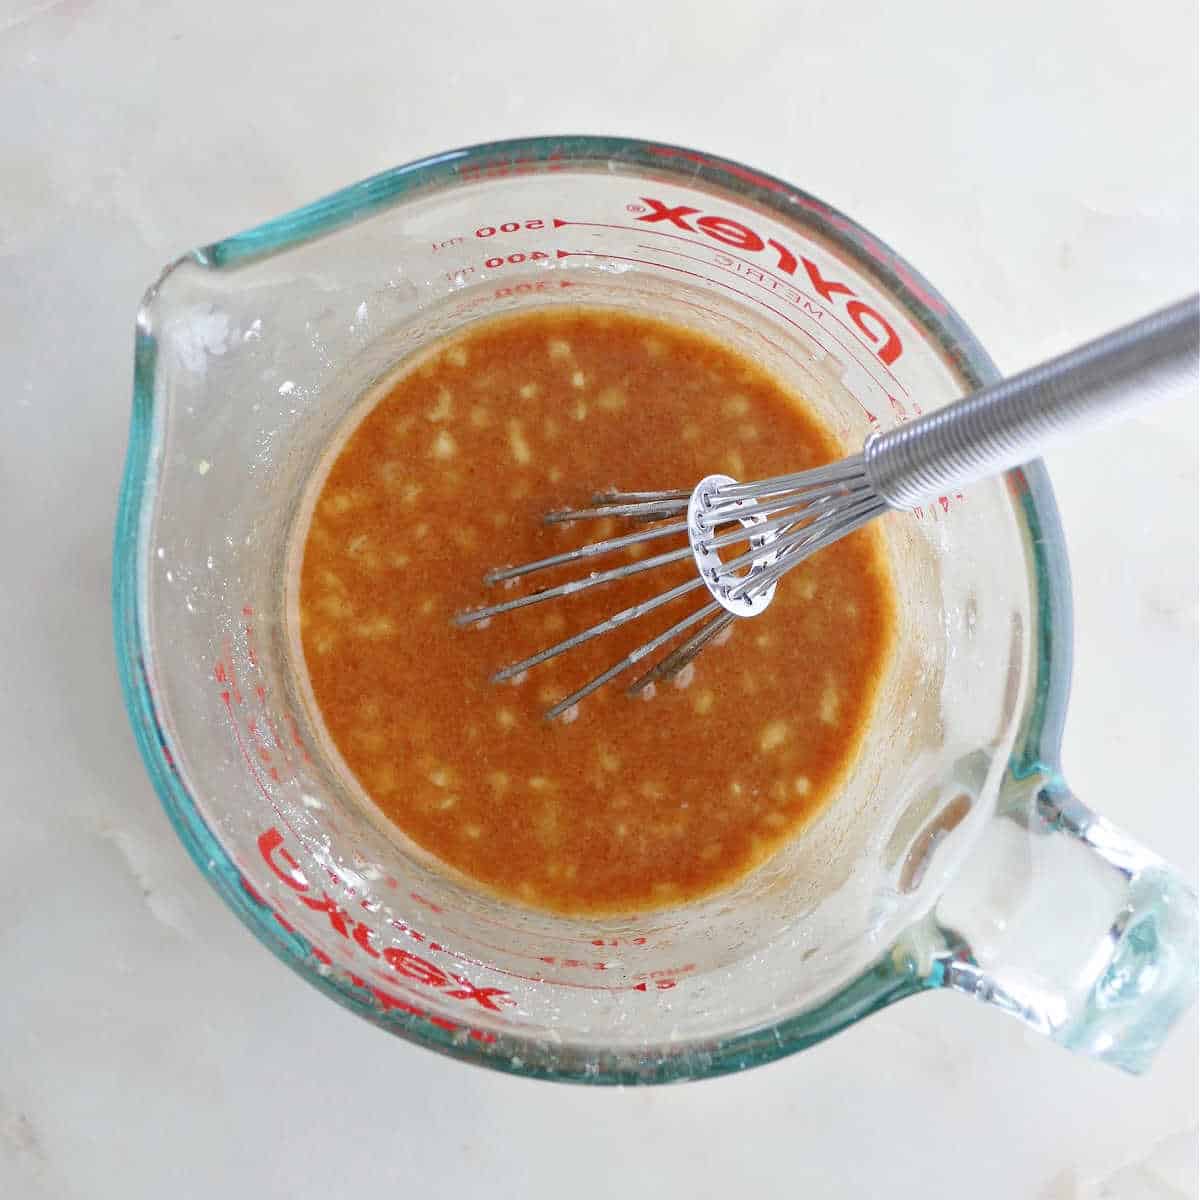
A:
(893, 976)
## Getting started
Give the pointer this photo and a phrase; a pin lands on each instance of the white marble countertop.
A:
(1037, 161)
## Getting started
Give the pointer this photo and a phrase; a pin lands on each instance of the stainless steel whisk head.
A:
(743, 537)
(780, 521)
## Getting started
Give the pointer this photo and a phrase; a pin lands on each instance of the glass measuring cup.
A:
(955, 856)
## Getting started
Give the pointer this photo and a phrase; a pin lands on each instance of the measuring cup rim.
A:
(1037, 748)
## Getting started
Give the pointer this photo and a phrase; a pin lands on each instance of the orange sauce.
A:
(638, 803)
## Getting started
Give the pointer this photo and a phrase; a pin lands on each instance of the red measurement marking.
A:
(264, 753)
(667, 972)
(237, 734)
(280, 745)
(355, 933)
(872, 245)
(261, 693)
(296, 739)
(485, 997)
(486, 231)
(575, 984)
(406, 929)
(474, 940)
(418, 937)
(943, 502)
(459, 956)
(515, 259)
(230, 672)
(388, 1001)
(362, 935)
(789, 264)
(734, 233)
(403, 927)
(719, 283)
(221, 674)
(902, 413)
(539, 285)
(358, 935)
(801, 300)
(572, 963)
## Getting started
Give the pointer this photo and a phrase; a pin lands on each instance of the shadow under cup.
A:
(253, 354)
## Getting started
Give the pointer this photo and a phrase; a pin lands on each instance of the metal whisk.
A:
(768, 527)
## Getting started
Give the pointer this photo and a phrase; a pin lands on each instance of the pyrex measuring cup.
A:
(956, 856)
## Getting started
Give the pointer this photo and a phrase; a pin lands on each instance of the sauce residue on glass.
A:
(637, 803)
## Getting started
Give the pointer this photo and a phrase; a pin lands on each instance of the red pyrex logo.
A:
(403, 962)
(873, 325)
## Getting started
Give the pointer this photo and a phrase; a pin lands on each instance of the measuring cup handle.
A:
(1074, 928)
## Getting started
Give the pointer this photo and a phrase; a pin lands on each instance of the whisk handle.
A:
(1015, 420)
